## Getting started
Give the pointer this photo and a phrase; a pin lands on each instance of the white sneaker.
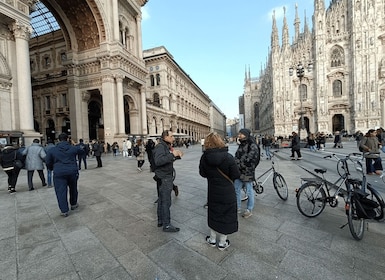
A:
(247, 214)
(222, 247)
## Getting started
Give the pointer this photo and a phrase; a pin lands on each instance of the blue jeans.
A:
(49, 177)
(267, 151)
(164, 201)
(249, 191)
(62, 183)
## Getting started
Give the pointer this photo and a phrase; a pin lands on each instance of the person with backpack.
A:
(83, 156)
(247, 158)
(8, 157)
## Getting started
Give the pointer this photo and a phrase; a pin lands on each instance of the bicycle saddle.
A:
(322, 170)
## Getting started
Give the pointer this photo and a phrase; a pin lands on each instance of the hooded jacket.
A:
(62, 159)
(222, 201)
(164, 160)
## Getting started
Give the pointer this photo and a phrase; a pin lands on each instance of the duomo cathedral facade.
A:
(342, 83)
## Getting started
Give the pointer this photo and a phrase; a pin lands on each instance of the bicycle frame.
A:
(323, 182)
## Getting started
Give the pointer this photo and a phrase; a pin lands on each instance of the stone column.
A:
(120, 104)
(115, 17)
(109, 111)
(143, 110)
(139, 32)
(22, 34)
(85, 98)
(75, 106)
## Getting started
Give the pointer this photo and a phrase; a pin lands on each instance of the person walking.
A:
(369, 144)
(311, 142)
(62, 160)
(267, 143)
(295, 146)
(8, 161)
(97, 148)
(83, 156)
(164, 165)
(220, 169)
(124, 149)
(35, 156)
(337, 140)
(247, 158)
(140, 156)
(49, 145)
(150, 145)
(129, 147)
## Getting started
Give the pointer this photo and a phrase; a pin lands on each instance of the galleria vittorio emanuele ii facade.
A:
(330, 78)
(77, 66)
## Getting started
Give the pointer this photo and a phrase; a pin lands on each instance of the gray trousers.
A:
(164, 201)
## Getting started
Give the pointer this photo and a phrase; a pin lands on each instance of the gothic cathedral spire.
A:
(274, 35)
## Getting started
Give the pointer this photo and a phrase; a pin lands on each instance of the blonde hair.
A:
(213, 140)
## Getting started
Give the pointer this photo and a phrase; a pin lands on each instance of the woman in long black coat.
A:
(219, 167)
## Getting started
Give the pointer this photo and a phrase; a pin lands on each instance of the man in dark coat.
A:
(295, 146)
(220, 169)
(247, 158)
(164, 157)
(62, 160)
(97, 148)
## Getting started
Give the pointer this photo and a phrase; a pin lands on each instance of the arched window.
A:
(337, 88)
(152, 80)
(337, 57)
(157, 79)
(302, 92)
(156, 100)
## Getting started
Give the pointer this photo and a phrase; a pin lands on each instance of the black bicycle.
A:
(315, 192)
(279, 182)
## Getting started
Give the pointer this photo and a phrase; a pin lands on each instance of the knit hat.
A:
(245, 132)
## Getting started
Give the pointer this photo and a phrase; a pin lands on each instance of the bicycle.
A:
(279, 182)
(314, 193)
(361, 205)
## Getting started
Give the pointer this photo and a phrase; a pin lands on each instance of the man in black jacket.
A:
(164, 157)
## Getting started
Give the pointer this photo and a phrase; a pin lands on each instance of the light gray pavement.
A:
(113, 234)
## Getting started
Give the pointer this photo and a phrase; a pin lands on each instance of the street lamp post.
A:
(300, 71)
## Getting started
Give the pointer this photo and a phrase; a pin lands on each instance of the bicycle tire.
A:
(356, 224)
(280, 186)
(375, 196)
(311, 199)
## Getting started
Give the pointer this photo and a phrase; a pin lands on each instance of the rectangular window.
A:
(48, 102)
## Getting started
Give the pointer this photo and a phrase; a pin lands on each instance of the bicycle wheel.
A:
(311, 199)
(280, 186)
(356, 224)
(375, 196)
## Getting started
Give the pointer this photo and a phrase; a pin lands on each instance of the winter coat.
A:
(8, 156)
(222, 202)
(62, 159)
(141, 153)
(164, 160)
(35, 157)
(370, 144)
(295, 143)
(97, 149)
(246, 159)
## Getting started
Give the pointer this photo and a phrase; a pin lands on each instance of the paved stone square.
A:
(114, 233)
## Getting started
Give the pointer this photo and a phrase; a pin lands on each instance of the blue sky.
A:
(214, 40)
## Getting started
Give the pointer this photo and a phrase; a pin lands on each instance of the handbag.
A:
(17, 162)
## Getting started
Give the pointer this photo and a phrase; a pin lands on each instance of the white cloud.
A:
(145, 13)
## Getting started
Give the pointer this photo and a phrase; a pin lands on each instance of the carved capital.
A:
(21, 31)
